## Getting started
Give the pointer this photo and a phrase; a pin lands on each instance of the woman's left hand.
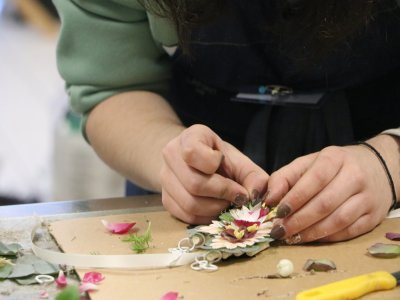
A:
(332, 195)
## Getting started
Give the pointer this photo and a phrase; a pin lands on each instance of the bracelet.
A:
(384, 165)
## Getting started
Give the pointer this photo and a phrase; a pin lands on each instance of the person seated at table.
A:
(215, 102)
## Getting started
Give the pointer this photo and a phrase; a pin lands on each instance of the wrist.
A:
(388, 147)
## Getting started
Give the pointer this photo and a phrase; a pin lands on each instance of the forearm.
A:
(389, 148)
(128, 132)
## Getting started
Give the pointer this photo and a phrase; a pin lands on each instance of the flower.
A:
(254, 214)
(243, 227)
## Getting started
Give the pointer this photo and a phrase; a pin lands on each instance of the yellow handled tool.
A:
(352, 288)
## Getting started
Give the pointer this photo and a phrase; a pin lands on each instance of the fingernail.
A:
(294, 239)
(277, 232)
(282, 211)
(256, 197)
(255, 194)
(240, 200)
(265, 196)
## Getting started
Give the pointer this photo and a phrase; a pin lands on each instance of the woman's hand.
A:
(335, 194)
(202, 175)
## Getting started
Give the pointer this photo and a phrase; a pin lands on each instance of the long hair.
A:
(185, 14)
(319, 24)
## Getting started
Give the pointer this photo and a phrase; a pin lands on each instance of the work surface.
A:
(237, 279)
(17, 222)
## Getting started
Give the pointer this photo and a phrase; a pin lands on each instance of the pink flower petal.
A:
(394, 236)
(61, 280)
(263, 212)
(170, 296)
(245, 223)
(43, 294)
(93, 277)
(87, 287)
(118, 228)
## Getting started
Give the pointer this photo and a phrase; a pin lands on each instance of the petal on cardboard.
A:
(170, 296)
(87, 287)
(319, 265)
(61, 280)
(43, 294)
(394, 236)
(93, 277)
(384, 250)
(118, 228)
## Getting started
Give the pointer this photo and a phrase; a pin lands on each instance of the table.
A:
(17, 221)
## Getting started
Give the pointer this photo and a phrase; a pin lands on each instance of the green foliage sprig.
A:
(140, 243)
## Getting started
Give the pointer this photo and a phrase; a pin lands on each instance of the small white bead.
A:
(285, 267)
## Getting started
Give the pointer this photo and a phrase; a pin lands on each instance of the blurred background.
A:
(43, 156)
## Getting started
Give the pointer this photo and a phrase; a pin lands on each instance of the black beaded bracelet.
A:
(384, 165)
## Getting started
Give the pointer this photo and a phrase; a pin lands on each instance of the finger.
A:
(243, 170)
(325, 167)
(336, 195)
(200, 184)
(282, 180)
(348, 213)
(175, 210)
(364, 224)
(201, 149)
(190, 204)
(256, 184)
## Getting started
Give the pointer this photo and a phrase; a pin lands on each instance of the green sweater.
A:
(110, 46)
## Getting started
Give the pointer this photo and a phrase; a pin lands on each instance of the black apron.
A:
(359, 82)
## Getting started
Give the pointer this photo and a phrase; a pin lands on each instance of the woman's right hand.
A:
(202, 175)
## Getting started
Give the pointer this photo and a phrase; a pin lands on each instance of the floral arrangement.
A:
(238, 230)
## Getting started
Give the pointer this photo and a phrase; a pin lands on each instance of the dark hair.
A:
(318, 24)
(185, 14)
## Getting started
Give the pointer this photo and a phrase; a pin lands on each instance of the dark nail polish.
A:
(240, 200)
(283, 211)
(255, 195)
(277, 232)
(265, 196)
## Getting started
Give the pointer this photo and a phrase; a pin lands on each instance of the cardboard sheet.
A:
(237, 278)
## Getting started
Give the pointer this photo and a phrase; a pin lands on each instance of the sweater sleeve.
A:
(393, 131)
(106, 47)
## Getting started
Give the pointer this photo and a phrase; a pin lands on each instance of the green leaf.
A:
(5, 270)
(9, 249)
(21, 270)
(45, 268)
(384, 250)
(27, 265)
(227, 217)
(70, 292)
(5, 261)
